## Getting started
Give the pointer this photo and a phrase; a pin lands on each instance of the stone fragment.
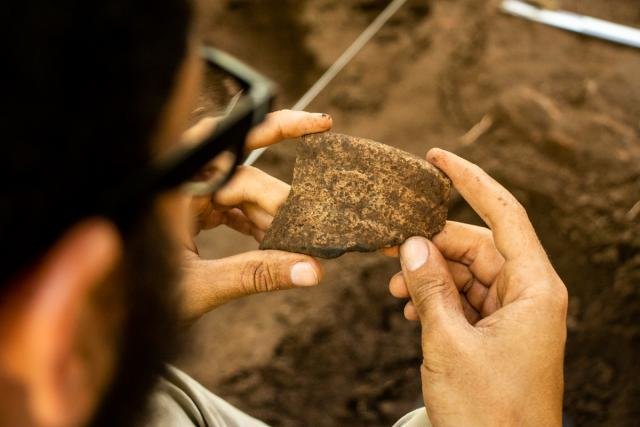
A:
(354, 194)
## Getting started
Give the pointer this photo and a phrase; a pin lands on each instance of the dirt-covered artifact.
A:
(354, 194)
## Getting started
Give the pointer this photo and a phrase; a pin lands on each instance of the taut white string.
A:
(338, 65)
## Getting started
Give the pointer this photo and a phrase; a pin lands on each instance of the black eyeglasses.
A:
(204, 165)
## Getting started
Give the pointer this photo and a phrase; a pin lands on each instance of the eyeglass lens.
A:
(219, 93)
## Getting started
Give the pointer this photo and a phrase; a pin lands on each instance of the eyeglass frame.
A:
(183, 164)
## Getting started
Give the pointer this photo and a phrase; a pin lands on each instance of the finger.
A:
(397, 286)
(513, 233)
(286, 124)
(476, 294)
(470, 313)
(468, 285)
(200, 130)
(399, 289)
(410, 312)
(250, 220)
(254, 186)
(258, 216)
(472, 246)
(238, 221)
(205, 216)
(491, 302)
(259, 235)
(430, 284)
(390, 252)
(461, 274)
(211, 283)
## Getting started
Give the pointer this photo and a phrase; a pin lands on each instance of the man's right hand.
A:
(492, 308)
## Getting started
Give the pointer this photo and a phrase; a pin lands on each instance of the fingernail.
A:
(433, 155)
(303, 274)
(322, 115)
(414, 253)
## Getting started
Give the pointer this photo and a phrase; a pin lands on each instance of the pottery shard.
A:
(354, 194)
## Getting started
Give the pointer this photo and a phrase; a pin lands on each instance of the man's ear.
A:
(62, 389)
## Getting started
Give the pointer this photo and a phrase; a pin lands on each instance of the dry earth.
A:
(564, 136)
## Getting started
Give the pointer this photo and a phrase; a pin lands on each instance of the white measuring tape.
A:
(569, 21)
(337, 66)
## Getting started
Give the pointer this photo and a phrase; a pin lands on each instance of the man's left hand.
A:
(248, 204)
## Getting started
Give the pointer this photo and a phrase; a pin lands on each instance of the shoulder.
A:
(179, 400)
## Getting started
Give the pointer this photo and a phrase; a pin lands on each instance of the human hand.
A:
(492, 309)
(248, 204)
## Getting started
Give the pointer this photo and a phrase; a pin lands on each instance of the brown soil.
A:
(564, 137)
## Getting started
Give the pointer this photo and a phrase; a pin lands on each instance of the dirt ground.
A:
(563, 133)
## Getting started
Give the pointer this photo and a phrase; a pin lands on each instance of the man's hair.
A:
(85, 85)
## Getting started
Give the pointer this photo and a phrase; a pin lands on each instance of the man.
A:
(91, 301)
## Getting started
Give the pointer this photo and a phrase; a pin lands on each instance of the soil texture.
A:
(554, 116)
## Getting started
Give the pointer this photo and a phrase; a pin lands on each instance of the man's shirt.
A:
(180, 401)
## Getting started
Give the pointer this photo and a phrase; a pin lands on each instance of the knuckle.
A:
(489, 253)
(486, 245)
(556, 298)
(281, 127)
(246, 170)
(510, 203)
(240, 179)
(561, 297)
(486, 235)
(468, 283)
(433, 368)
(248, 178)
(488, 242)
(259, 276)
(429, 288)
(518, 210)
(275, 116)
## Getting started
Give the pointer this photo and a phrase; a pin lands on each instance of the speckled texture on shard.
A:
(354, 194)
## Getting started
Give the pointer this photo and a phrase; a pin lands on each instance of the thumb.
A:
(430, 285)
(208, 284)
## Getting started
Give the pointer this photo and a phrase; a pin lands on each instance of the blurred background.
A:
(552, 115)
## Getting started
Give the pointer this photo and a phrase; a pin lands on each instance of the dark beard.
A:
(149, 333)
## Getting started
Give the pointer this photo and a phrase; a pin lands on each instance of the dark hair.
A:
(85, 84)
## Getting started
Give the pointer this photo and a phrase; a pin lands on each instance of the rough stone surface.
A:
(354, 194)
